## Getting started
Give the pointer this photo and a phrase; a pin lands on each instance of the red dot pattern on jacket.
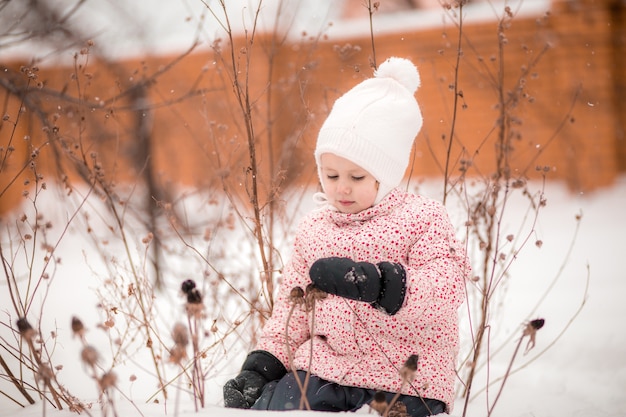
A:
(354, 343)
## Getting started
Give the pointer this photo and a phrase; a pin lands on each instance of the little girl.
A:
(385, 264)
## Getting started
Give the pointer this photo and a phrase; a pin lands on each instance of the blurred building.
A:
(548, 86)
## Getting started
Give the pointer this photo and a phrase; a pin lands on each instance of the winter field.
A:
(568, 271)
(579, 294)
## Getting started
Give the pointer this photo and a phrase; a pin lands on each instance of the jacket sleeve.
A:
(285, 323)
(437, 269)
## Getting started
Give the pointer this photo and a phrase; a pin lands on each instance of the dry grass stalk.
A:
(106, 381)
(297, 299)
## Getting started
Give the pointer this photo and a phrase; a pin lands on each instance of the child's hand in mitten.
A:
(259, 368)
(243, 390)
(383, 285)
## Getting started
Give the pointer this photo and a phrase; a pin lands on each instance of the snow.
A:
(582, 374)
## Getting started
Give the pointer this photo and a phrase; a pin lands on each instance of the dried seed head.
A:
(148, 238)
(312, 294)
(379, 402)
(194, 309)
(187, 286)
(411, 362)
(398, 409)
(214, 327)
(77, 327)
(531, 332)
(194, 296)
(108, 380)
(25, 329)
(296, 296)
(178, 354)
(89, 355)
(180, 335)
(45, 373)
(407, 372)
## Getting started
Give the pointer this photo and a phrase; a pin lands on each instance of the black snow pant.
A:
(284, 394)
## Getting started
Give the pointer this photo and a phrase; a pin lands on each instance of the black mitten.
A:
(343, 277)
(243, 390)
(393, 287)
(383, 285)
(259, 368)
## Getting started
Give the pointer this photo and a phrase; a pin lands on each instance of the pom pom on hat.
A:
(375, 124)
(402, 70)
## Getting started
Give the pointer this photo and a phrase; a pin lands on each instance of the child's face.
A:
(348, 187)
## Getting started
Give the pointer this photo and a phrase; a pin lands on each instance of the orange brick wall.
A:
(573, 120)
(574, 115)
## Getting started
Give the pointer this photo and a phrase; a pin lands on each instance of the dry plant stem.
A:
(384, 354)
(506, 375)
(553, 342)
(393, 400)
(269, 117)
(10, 277)
(303, 397)
(514, 256)
(142, 305)
(446, 173)
(15, 123)
(53, 247)
(110, 403)
(290, 358)
(484, 309)
(373, 336)
(22, 302)
(210, 265)
(530, 330)
(16, 382)
(98, 180)
(105, 396)
(196, 373)
(567, 118)
(408, 374)
(370, 9)
(46, 381)
(177, 399)
(242, 95)
(11, 137)
(184, 369)
(492, 226)
(489, 284)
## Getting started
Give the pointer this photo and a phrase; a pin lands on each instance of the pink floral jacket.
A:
(354, 343)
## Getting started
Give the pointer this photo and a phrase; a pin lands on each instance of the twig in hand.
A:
(296, 297)
(312, 294)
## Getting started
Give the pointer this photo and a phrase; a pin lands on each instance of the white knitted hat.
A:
(375, 123)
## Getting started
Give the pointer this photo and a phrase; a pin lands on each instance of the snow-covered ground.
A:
(582, 374)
